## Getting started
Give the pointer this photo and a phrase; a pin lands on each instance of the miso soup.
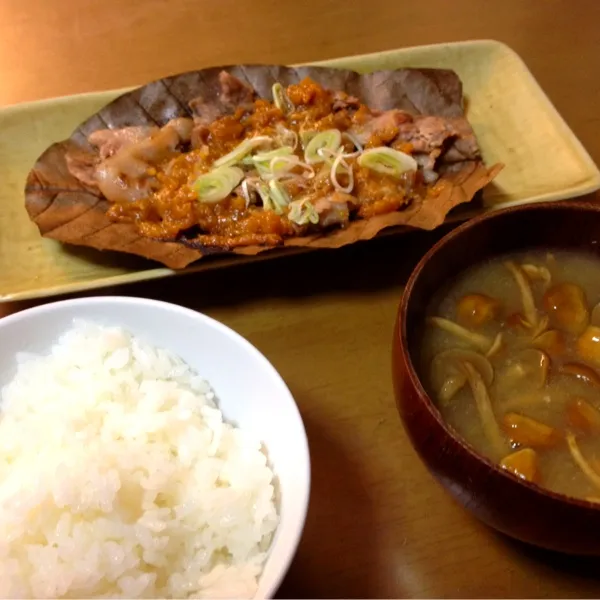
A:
(511, 356)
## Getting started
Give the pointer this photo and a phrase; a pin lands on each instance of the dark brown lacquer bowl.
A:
(519, 509)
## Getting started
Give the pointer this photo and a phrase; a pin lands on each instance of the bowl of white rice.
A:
(146, 451)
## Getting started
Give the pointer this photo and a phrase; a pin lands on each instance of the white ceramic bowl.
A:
(251, 393)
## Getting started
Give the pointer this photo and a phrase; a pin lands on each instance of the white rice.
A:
(119, 478)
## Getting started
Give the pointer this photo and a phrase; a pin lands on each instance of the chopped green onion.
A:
(286, 163)
(263, 192)
(274, 196)
(303, 212)
(340, 162)
(285, 136)
(246, 192)
(263, 160)
(280, 167)
(281, 100)
(387, 160)
(243, 149)
(217, 184)
(265, 157)
(305, 137)
(279, 196)
(278, 162)
(327, 155)
(331, 140)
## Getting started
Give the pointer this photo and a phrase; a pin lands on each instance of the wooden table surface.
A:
(378, 525)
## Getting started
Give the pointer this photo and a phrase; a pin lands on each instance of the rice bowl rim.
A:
(282, 551)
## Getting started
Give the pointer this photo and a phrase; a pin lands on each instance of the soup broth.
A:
(511, 356)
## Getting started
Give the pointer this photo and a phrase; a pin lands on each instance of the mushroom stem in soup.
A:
(529, 309)
(484, 407)
(475, 339)
(448, 372)
(581, 462)
(540, 328)
(495, 347)
(537, 272)
(511, 357)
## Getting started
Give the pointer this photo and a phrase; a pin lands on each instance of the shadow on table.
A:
(359, 268)
(583, 571)
(338, 542)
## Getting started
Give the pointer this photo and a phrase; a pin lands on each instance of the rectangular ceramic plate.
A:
(513, 119)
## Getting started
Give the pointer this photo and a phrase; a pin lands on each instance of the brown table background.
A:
(378, 525)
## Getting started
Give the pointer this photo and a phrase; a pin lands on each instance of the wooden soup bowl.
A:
(513, 506)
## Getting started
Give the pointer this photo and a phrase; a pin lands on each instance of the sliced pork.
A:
(334, 209)
(233, 94)
(124, 173)
(110, 141)
(342, 100)
(427, 133)
(382, 125)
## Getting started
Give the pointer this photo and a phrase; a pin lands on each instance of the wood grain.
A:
(378, 526)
